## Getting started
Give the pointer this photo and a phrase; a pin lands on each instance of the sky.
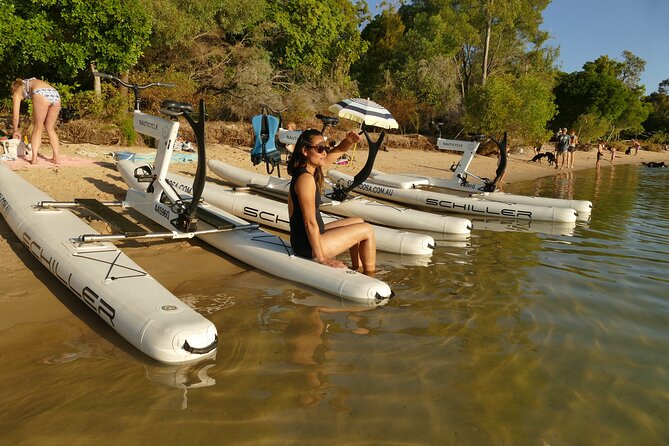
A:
(587, 29)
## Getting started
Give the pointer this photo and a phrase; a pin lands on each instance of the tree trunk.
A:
(124, 77)
(486, 49)
(97, 88)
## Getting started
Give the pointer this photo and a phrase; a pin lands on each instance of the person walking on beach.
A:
(46, 107)
(636, 146)
(309, 237)
(561, 148)
(573, 142)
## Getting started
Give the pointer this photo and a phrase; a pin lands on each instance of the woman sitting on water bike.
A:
(309, 237)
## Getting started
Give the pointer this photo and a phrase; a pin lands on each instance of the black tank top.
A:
(298, 233)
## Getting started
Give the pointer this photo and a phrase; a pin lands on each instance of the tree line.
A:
(478, 66)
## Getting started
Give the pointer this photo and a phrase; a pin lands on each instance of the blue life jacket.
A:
(264, 149)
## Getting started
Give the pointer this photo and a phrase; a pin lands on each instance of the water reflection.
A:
(563, 185)
(305, 328)
(533, 226)
(516, 337)
(184, 376)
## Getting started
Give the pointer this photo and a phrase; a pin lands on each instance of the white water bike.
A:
(116, 289)
(466, 183)
(184, 214)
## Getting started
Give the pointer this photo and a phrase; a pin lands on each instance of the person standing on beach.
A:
(561, 147)
(309, 237)
(46, 107)
(573, 141)
(600, 152)
(636, 146)
(613, 153)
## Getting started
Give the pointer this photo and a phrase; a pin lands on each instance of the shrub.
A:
(128, 133)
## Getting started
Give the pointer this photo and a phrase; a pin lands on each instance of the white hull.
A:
(406, 181)
(262, 250)
(370, 211)
(118, 290)
(453, 203)
(274, 214)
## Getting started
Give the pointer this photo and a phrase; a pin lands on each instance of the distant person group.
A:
(565, 148)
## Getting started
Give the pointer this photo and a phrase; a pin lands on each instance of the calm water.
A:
(553, 336)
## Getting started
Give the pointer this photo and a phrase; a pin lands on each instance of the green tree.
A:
(179, 25)
(440, 49)
(632, 68)
(663, 88)
(521, 106)
(59, 39)
(316, 38)
(383, 34)
(658, 118)
(600, 90)
(591, 126)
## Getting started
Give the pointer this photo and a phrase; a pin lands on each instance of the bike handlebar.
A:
(133, 86)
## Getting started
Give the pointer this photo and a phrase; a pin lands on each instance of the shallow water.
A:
(546, 335)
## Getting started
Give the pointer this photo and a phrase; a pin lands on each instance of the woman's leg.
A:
(40, 110)
(344, 222)
(50, 125)
(355, 249)
(359, 237)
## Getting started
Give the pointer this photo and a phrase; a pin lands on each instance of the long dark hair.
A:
(299, 159)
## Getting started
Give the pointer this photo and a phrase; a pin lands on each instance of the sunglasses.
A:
(321, 148)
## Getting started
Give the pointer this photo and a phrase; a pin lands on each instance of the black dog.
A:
(538, 157)
(628, 151)
(654, 164)
(548, 155)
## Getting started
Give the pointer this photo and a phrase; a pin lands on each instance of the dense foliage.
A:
(59, 39)
(604, 99)
(478, 65)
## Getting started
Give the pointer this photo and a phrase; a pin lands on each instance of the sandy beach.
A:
(88, 171)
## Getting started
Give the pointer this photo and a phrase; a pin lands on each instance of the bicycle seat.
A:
(328, 120)
(174, 108)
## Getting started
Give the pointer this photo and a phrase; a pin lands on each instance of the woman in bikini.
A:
(309, 237)
(46, 106)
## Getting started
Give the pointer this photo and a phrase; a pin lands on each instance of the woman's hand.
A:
(353, 138)
(331, 262)
(16, 135)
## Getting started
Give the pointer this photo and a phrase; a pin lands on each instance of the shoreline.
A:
(88, 170)
(82, 161)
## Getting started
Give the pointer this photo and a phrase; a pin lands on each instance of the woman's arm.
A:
(305, 188)
(351, 139)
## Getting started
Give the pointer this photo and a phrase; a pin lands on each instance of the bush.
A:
(128, 133)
